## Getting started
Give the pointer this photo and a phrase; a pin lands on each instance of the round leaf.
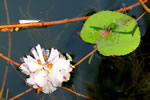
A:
(114, 33)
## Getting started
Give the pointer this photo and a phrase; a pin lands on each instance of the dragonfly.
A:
(110, 28)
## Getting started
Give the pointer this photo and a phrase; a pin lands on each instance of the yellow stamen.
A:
(39, 62)
(44, 57)
(50, 67)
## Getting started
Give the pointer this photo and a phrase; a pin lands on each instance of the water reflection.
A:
(122, 78)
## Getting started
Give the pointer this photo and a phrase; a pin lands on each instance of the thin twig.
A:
(7, 93)
(9, 33)
(130, 7)
(141, 16)
(8, 59)
(4, 81)
(16, 27)
(78, 94)
(6, 28)
(85, 57)
(9, 50)
(144, 6)
(21, 94)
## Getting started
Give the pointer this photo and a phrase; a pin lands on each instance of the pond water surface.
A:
(64, 37)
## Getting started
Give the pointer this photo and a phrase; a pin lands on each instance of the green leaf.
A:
(114, 33)
(69, 57)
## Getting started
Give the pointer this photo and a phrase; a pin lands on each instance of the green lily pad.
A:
(114, 33)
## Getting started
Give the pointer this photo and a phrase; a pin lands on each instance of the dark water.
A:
(64, 37)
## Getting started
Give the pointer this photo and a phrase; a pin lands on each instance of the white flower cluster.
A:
(46, 69)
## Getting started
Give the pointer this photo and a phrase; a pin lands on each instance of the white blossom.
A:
(46, 69)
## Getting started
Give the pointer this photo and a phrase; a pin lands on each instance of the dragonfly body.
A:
(104, 33)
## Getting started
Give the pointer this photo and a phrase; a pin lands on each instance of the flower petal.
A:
(24, 69)
(37, 79)
(33, 67)
(54, 80)
(40, 53)
(49, 88)
(46, 53)
(54, 55)
(34, 52)
(62, 64)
